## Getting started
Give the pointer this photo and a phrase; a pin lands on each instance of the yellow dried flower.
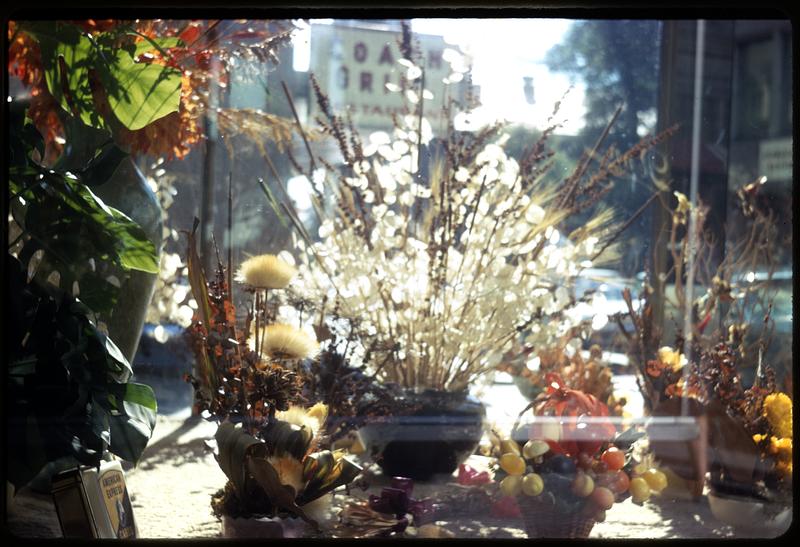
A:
(266, 272)
(672, 358)
(312, 418)
(283, 341)
(757, 438)
(682, 210)
(778, 412)
(781, 448)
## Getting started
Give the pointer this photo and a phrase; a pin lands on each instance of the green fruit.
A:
(639, 469)
(639, 489)
(511, 485)
(532, 484)
(655, 479)
(534, 449)
(512, 464)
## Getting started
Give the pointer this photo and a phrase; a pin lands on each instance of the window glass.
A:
(574, 236)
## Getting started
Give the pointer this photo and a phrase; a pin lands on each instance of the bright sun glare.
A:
(504, 52)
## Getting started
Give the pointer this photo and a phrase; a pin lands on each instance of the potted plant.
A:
(570, 467)
(70, 399)
(267, 442)
(107, 92)
(431, 269)
(762, 500)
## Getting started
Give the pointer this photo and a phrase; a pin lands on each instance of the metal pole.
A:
(207, 197)
(694, 177)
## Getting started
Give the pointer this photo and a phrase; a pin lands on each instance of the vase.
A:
(442, 431)
(749, 514)
(527, 389)
(128, 191)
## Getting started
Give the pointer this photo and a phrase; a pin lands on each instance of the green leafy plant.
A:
(64, 227)
(68, 389)
(75, 62)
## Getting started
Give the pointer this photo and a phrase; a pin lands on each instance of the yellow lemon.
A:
(512, 464)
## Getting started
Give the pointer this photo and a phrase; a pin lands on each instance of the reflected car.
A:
(602, 289)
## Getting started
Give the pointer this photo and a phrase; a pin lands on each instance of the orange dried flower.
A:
(655, 368)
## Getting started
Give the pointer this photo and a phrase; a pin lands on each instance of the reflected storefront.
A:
(423, 278)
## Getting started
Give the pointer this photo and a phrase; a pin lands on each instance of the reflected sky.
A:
(503, 53)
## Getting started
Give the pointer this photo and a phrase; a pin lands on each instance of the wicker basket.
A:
(545, 522)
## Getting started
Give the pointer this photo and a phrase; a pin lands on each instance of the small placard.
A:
(94, 503)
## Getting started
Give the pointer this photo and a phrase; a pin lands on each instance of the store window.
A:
(468, 277)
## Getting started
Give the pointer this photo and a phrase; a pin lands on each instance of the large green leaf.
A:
(98, 293)
(103, 166)
(135, 250)
(83, 224)
(116, 365)
(67, 57)
(156, 44)
(234, 445)
(138, 252)
(140, 93)
(132, 418)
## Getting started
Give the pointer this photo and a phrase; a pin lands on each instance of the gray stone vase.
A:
(127, 190)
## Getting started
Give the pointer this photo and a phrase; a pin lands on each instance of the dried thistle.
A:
(266, 272)
(282, 341)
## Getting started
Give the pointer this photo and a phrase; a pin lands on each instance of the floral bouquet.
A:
(442, 252)
(721, 377)
(246, 380)
(588, 374)
(573, 466)
(749, 430)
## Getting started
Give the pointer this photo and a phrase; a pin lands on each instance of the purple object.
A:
(403, 483)
(398, 500)
(422, 511)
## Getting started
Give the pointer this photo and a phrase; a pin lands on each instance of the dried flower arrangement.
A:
(353, 397)
(267, 441)
(719, 311)
(440, 267)
(589, 375)
(749, 428)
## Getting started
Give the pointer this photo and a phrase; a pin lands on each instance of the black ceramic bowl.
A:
(441, 433)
